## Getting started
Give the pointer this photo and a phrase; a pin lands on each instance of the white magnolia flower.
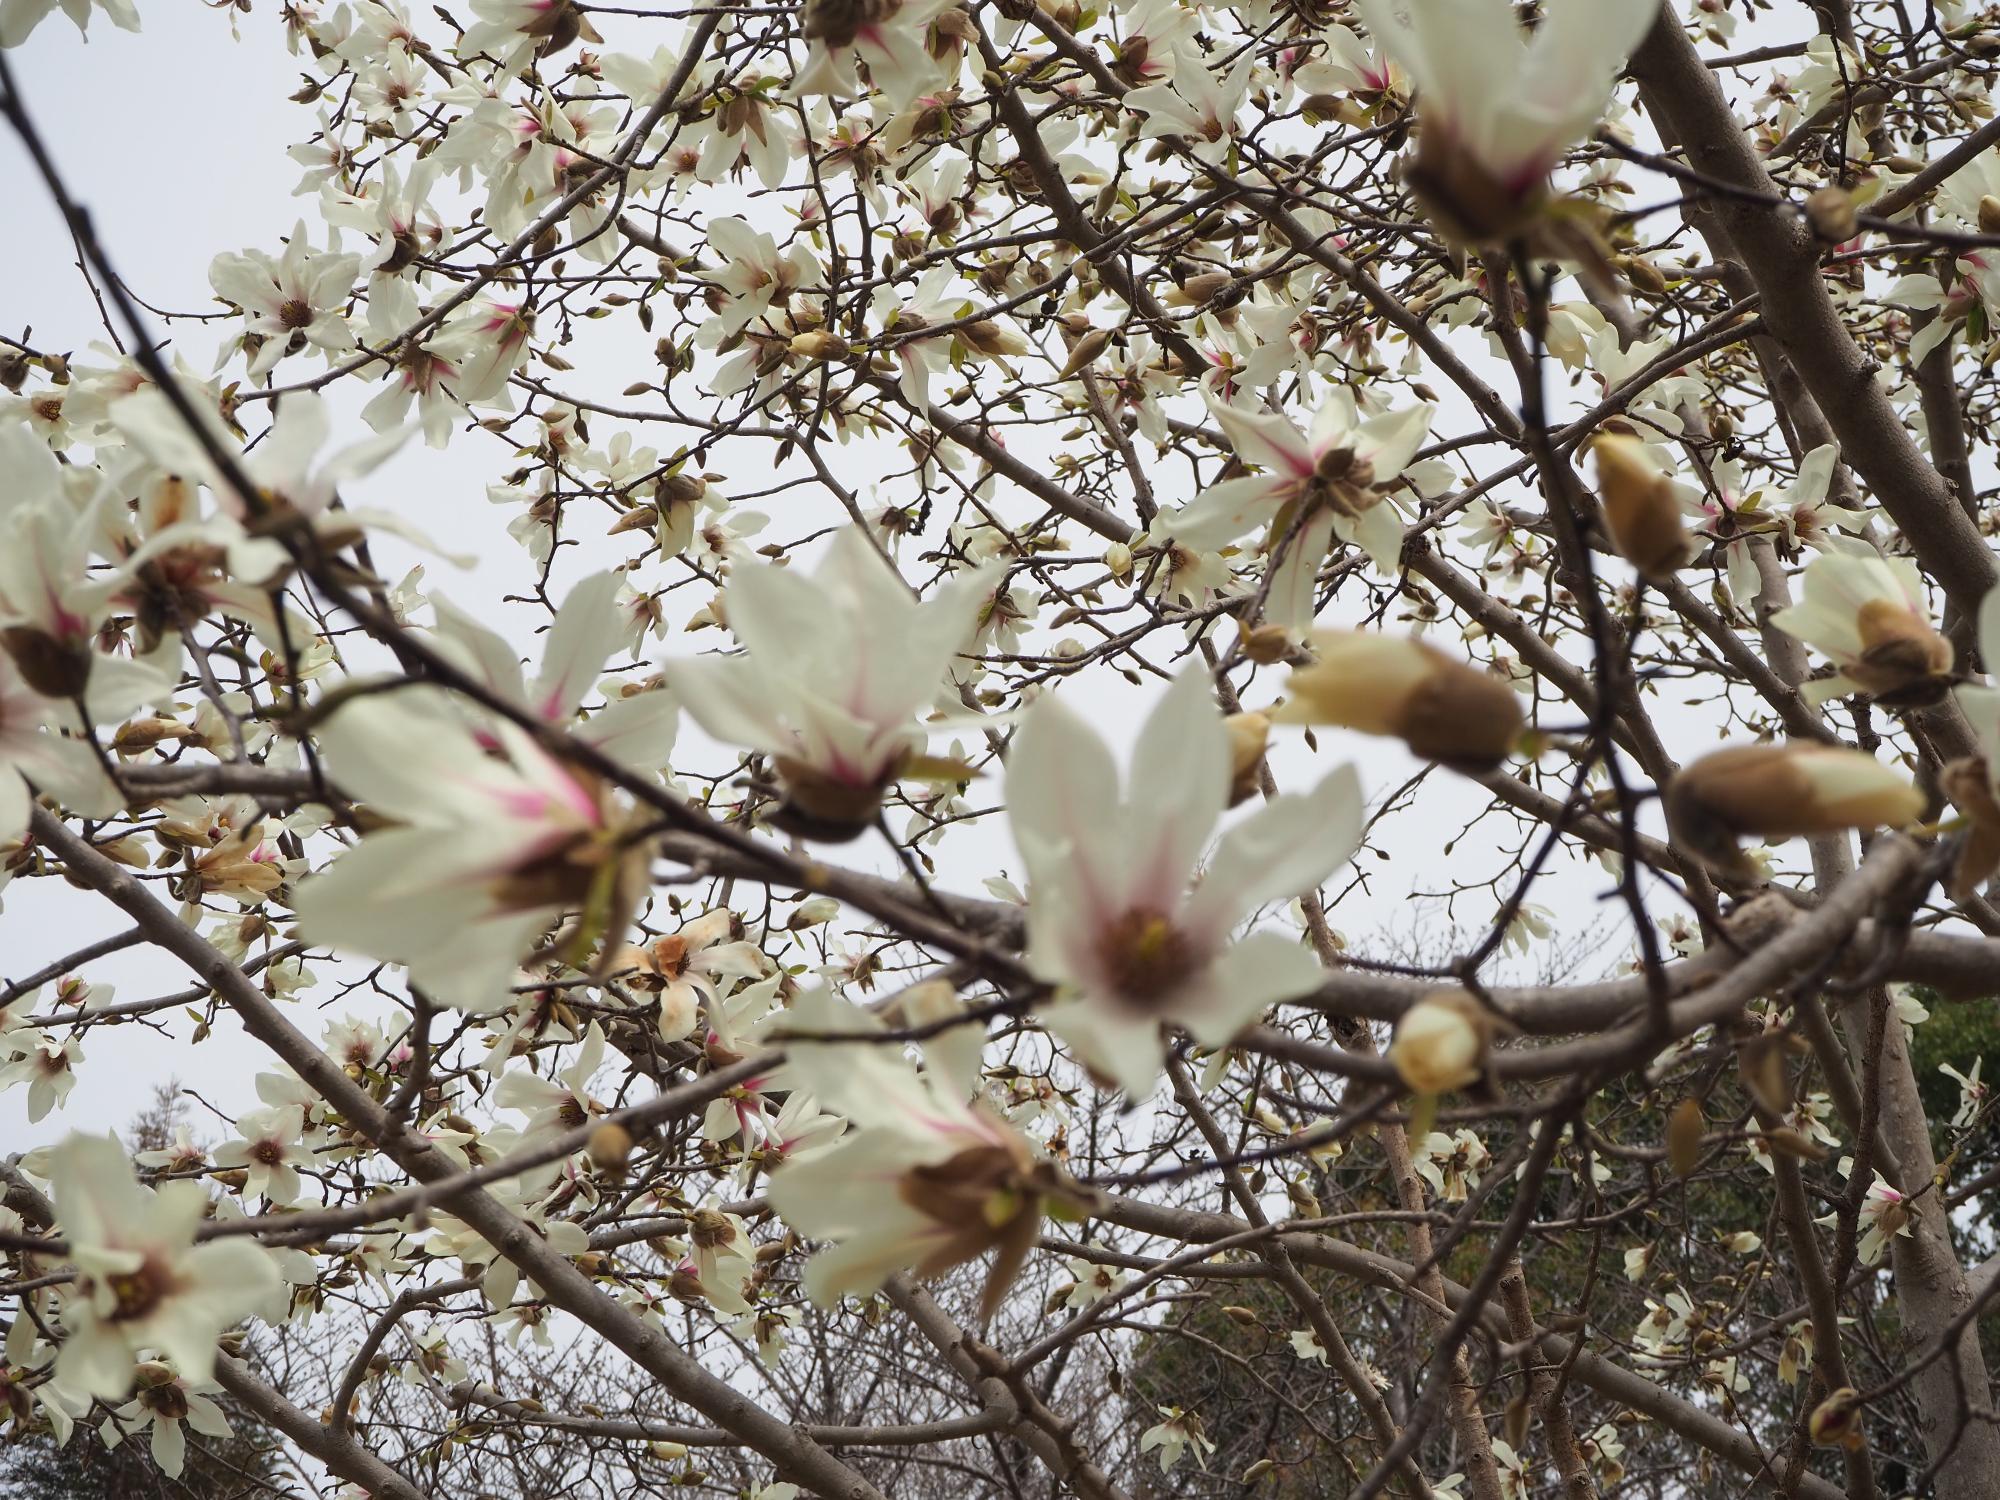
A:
(560, 1103)
(1867, 613)
(923, 1180)
(1111, 915)
(296, 299)
(19, 17)
(164, 1401)
(492, 839)
(1325, 482)
(1451, 1164)
(1198, 108)
(1173, 1436)
(589, 628)
(45, 1063)
(1498, 108)
(1885, 1215)
(143, 1284)
(887, 35)
(835, 670)
(267, 1149)
(287, 475)
(1091, 1281)
(1971, 1092)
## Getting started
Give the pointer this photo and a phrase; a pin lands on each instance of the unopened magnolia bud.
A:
(812, 912)
(1836, 1421)
(1760, 1062)
(669, 1452)
(1241, 1315)
(610, 1144)
(1785, 1141)
(1085, 352)
(1830, 211)
(1443, 709)
(1644, 275)
(1969, 785)
(1783, 791)
(1441, 1042)
(1248, 735)
(1259, 1469)
(53, 667)
(1640, 511)
(1118, 558)
(1904, 661)
(638, 518)
(1265, 644)
(1684, 1138)
(818, 345)
(1989, 214)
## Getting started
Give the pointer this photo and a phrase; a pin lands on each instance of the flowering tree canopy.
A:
(1013, 747)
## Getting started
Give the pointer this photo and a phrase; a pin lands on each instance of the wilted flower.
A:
(1641, 509)
(1441, 1042)
(1111, 916)
(1443, 709)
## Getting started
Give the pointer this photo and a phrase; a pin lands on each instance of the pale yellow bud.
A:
(1248, 735)
(1443, 709)
(1684, 1127)
(1969, 784)
(1264, 644)
(1640, 511)
(610, 1144)
(1118, 558)
(1830, 211)
(1441, 1042)
(1783, 791)
(818, 345)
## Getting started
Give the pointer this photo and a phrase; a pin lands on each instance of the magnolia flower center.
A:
(1145, 955)
(710, 1230)
(136, 1293)
(980, 1187)
(168, 1402)
(838, 22)
(295, 312)
(48, 408)
(267, 1153)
